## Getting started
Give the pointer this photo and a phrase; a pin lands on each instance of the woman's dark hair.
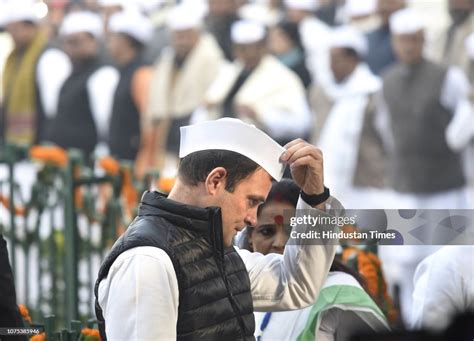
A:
(337, 265)
(195, 167)
(292, 31)
(283, 191)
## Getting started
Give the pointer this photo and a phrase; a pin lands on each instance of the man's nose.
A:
(251, 219)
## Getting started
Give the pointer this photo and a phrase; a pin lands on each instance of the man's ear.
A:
(216, 180)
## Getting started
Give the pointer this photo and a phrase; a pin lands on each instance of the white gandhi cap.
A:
(15, 11)
(236, 136)
(133, 24)
(406, 21)
(247, 32)
(183, 17)
(305, 5)
(82, 22)
(349, 37)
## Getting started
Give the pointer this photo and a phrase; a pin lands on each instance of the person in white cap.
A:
(30, 89)
(344, 130)
(380, 52)
(257, 88)
(85, 101)
(314, 35)
(129, 33)
(222, 14)
(425, 123)
(175, 273)
(427, 130)
(181, 77)
(448, 46)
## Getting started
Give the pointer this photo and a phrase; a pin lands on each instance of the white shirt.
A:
(140, 295)
(52, 70)
(444, 286)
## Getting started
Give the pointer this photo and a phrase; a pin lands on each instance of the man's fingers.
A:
(292, 143)
(305, 150)
(292, 147)
(302, 161)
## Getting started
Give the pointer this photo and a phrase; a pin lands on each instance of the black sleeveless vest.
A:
(422, 162)
(74, 126)
(124, 138)
(215, 302)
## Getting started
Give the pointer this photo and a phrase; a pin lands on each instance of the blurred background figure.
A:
(361, 14)
(267, 12)
(428, 129)
(302, 13)
(331, 12)
(30, 90)
(285, 44)
(448, 47)
(444, 287)
(380, 54)
(257, 88)
(354, 160)
(129, 33)
(85, 100)
(180, 80)
(424, 135)
(10, 316)
(220, 17)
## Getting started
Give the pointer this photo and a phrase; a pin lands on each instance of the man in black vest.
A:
(129, 32)
(84, 105)
(429, 121)
(174, 274)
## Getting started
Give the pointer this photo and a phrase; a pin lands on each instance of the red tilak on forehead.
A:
(278, 219)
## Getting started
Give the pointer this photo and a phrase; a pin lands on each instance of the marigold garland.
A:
(370, 267)
(91, 334)
(50, 154)
(24, 313)
(19, 210)
(166, 184)
(110, 165)
(39, 337)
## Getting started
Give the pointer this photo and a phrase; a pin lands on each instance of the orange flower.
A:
(39, 337)
(50, 154)
(110, 165)
(91, 334)
(128, 190)
(24, 313)
(6, 203)
(166, 184)
(370, 267)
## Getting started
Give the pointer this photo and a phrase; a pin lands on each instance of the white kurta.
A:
(272, 91)
(140, 296)
(444, 286)
(341, 132)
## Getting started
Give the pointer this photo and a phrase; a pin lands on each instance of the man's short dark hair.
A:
(134, 43)
(352, 53)
(195, 167)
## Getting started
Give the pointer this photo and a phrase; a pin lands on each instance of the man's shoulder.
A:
(142, 251)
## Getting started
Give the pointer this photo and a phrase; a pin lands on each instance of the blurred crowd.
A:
(383, 87)
(120, 77)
